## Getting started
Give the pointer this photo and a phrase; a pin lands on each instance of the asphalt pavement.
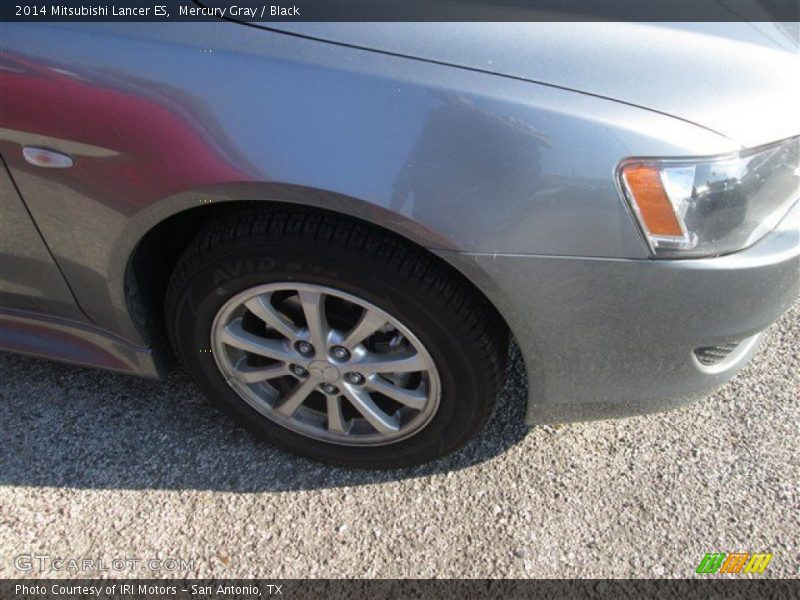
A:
(101, 466)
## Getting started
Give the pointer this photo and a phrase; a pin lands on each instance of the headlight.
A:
(711, 206)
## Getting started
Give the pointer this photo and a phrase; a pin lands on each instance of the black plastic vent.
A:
(711, 355)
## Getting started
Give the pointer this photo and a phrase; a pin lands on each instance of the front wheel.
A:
(334, 340)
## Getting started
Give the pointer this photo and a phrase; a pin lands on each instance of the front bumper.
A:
(606, 338)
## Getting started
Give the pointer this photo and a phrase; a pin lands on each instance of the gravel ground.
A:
(103, 466)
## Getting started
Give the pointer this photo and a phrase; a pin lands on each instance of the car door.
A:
(30, 280)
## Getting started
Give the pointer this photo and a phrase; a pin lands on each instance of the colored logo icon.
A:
(737, 562)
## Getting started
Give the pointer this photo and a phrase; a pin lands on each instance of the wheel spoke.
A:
(412, 398)
(250, 374)
(405, 362)
(261, 306)
(314, 309)
(363, 403)
(295, 398)
(234, 335)
(336, 422)
(369, 323)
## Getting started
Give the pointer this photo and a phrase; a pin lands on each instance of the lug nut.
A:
(299, 371)
(354, 378)
(304, 348)
(340, 353)
(329, 388)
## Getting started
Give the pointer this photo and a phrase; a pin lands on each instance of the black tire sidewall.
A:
(466, 393)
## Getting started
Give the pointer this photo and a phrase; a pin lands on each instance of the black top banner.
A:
(401, 10)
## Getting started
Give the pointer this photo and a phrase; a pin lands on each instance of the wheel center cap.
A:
(323, 371)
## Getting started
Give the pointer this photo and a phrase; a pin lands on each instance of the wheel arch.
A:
(158, 236)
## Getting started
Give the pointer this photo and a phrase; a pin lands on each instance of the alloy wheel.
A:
(326, 364)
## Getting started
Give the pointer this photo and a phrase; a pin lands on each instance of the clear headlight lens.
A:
(711, 206)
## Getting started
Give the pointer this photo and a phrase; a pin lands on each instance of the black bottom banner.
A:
(328, 589)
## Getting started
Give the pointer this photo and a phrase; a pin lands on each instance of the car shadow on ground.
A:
(65, 426)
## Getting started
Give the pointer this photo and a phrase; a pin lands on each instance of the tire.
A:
(281, 258)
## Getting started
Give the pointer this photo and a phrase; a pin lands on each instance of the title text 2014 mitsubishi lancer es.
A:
(338, 228)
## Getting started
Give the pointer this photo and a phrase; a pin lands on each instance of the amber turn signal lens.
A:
(650, 198)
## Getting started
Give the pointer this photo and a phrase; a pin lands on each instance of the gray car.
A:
(338, 228)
